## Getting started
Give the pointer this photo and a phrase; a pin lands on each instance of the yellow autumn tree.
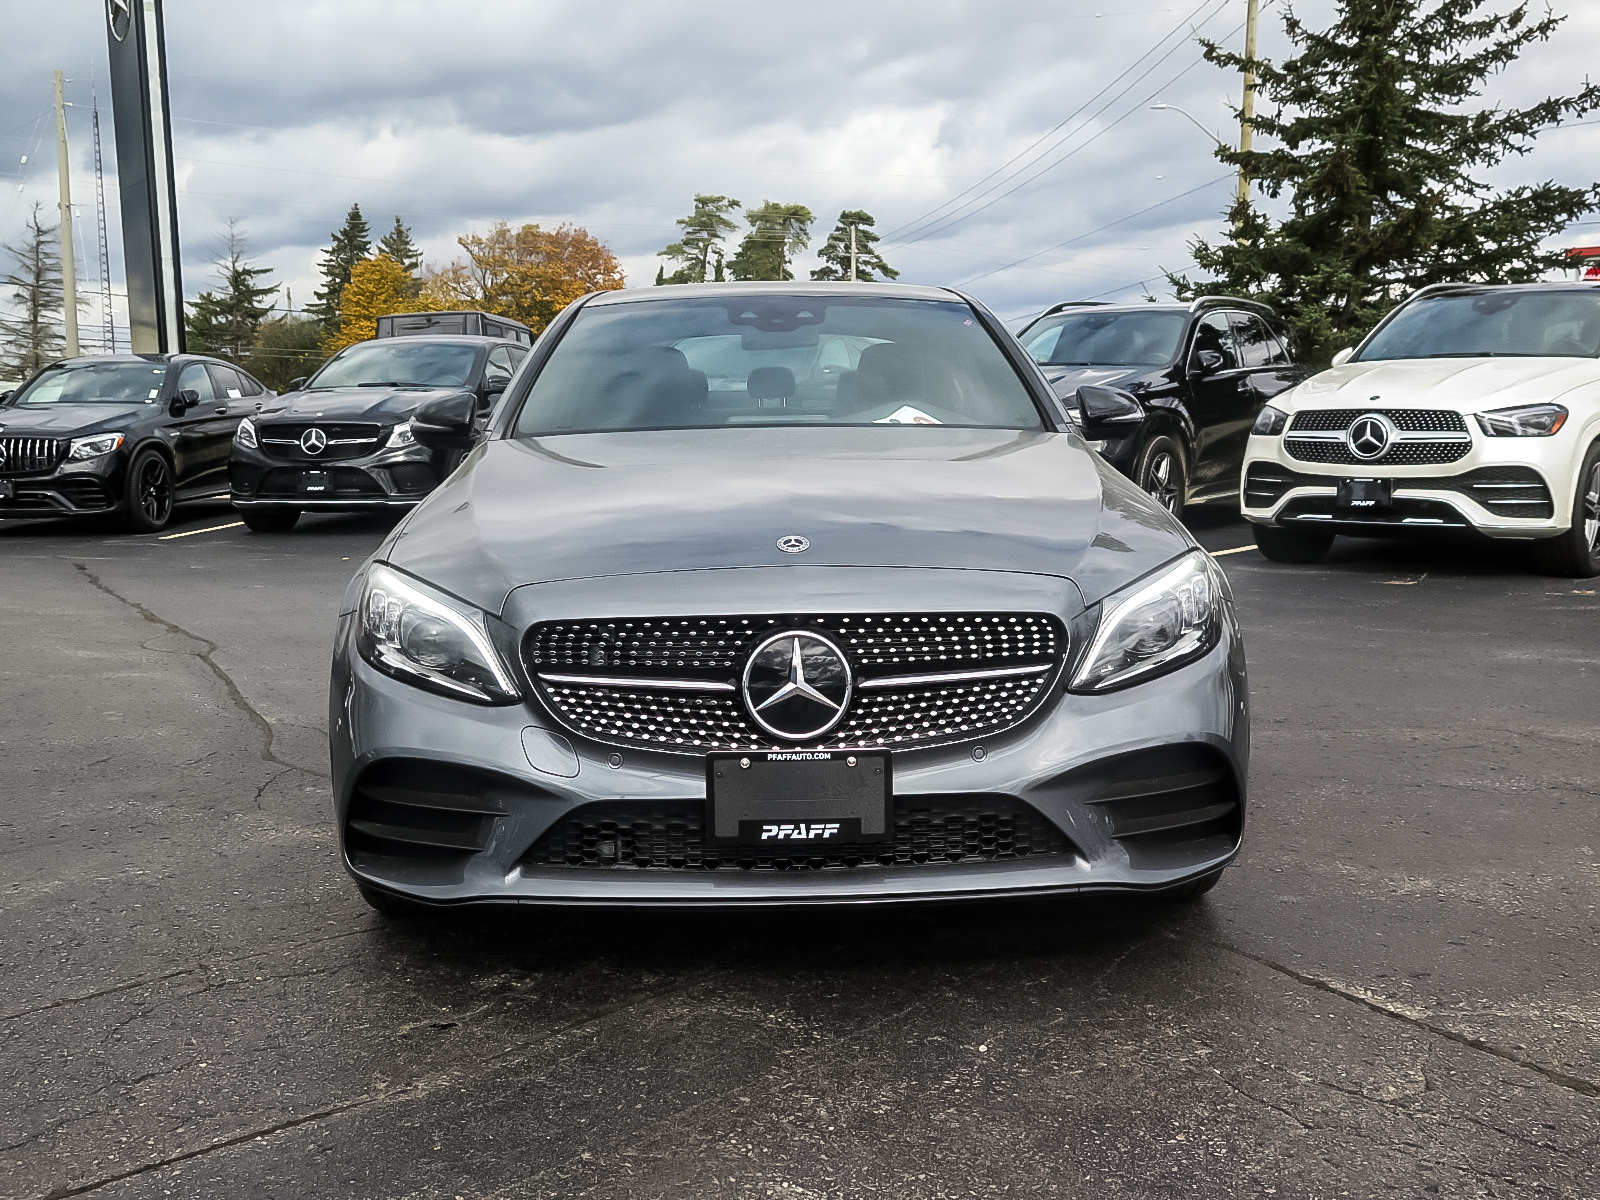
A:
(528, 274)
(378, 286)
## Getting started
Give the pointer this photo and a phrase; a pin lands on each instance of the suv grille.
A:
(1412, 448)
(671, 683)
(1504, 491)
(345, 440)
(31, 455)
(671, 836)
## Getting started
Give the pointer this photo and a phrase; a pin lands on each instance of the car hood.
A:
(1465, 384)
(355, 403)
(585, 505)
(70, 420)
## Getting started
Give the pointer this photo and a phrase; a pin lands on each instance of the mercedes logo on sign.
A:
(797, 685)
(793, 543)
(1369, 436)
(313, 441)
(118, 16)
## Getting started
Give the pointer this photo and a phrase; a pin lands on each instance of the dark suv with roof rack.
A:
(1200, 371)
(342, 442)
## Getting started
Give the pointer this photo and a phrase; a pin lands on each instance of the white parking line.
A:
(1215, 553)
(167, 537)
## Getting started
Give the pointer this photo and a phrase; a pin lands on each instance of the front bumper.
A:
(1502, 488)
(1138, 790)
(388, 479)
(74, 489)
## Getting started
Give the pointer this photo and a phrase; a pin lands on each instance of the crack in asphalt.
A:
(1572, 1083)
(237, 697)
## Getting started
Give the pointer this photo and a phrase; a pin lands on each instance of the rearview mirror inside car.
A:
(1343, 356)
(1104, 407)
(446, 423)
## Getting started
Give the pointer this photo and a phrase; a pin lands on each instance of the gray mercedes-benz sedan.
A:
(781, 593)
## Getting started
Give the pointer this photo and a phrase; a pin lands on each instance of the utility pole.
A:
(69, 269)
(852, 252)
(1247, 110)
(108, 333)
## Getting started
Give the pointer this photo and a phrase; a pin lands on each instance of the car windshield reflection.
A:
(1492, 324)
(93, 383)
(399, 363)
(1121, 339)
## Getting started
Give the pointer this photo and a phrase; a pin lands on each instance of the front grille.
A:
(1407, 420)
(1400, 452)
(31, 455)
(346, 440)
(1003, 663)
(284, 483)
(1504, 491)
(671, 836)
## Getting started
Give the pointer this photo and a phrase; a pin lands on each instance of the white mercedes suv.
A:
(1470, 407)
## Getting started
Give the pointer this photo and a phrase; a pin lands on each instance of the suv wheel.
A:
(1159, 470)
(1576, 553)
(147, 493)
(269, 520)
(1292, 545)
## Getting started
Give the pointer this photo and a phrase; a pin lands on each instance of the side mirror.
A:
(4, 396)
(1343, 356)
(496, 384)
(1108, 410)
(183, 402)
(1207, 362)
(298, 382)
(446, 423)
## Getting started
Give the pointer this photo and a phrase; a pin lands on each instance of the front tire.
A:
(1160, 470)
(269, 520)
(1299, 546)
(1575, 554)
(147, 493)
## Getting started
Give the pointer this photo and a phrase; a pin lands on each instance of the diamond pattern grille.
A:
(1411, 420)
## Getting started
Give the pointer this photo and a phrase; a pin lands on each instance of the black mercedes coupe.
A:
(782, 593)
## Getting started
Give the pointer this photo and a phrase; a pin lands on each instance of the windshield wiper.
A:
(396, 383)
(1483, 354)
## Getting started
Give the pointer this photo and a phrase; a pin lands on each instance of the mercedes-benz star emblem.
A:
(118, 16)
(797, 685)
(1369, 436)
(313, 441)
(793, 543)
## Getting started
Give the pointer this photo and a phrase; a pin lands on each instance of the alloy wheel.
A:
(155, 490)
(1161, 483)
(1591, 511)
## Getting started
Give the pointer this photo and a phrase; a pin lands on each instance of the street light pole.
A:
(69, 266)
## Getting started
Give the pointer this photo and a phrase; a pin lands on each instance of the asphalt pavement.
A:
(1394, 992)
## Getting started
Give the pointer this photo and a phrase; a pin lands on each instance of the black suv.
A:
(343, 442)
(129, 434)
(1200, 371)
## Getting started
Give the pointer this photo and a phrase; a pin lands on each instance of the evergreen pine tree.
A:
(777, 232)
(351, 243)
(835, 252)
(703, 231)
(1380, 154)
(225, 322)
(31, 335)
(397, 244)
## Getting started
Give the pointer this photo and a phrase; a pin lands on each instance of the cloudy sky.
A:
(1007, 147)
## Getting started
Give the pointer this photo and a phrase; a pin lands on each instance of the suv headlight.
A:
(93, 446)
(424, 637)
(245, 434)
(1155, 625)
(1527, 420)
(1269, 422)
(401, 437)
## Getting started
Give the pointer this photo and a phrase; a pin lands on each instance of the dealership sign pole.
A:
(144, 175)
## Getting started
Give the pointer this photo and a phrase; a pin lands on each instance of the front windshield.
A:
(94, 383)
(1090, 338)
(1532, 324)
(775, 360)
(399, 362)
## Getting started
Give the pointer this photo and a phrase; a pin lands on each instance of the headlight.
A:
(1155, 625)
(245, 434)
(1270, 422)
(93, 446)
(401, 437)
(409, 630)
(1528, 420)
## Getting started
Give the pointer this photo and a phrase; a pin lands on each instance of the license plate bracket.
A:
(798, 799)
(1365, 495)
(315, 482)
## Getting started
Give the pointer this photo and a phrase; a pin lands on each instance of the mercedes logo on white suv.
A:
(797, 685)
(1369, 436)
(313, 441)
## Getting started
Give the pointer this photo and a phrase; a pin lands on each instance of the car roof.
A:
(470, 339)
(896, 291)
(1474, 289)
